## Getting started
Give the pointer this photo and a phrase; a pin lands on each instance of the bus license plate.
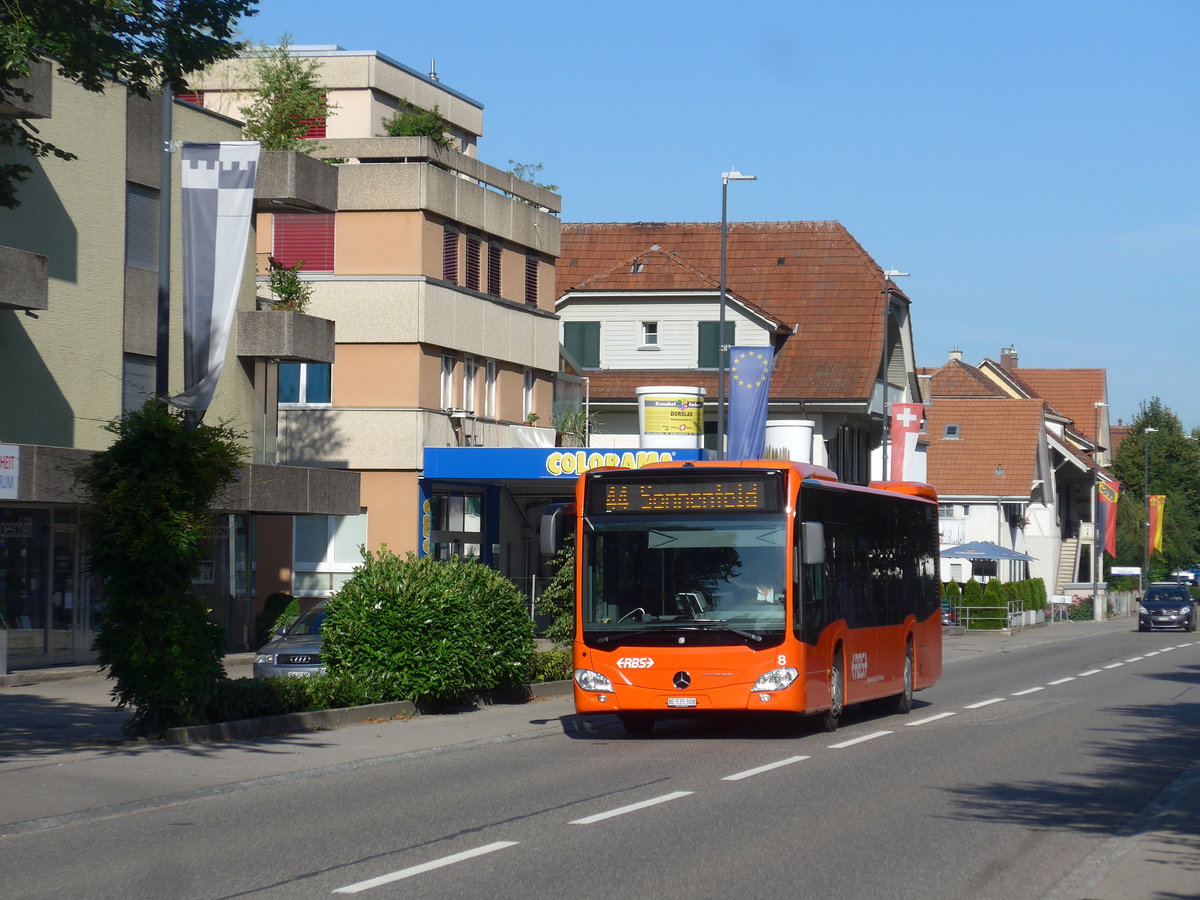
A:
(681, 702)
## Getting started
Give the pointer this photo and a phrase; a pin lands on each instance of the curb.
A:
(266, 726)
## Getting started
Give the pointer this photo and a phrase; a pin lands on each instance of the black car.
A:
(1167, 605)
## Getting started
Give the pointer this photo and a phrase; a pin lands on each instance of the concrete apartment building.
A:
(79, 267)
(438, 270)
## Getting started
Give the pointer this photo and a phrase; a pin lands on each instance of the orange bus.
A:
(761, 586)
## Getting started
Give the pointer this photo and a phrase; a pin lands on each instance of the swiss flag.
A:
(907, 419)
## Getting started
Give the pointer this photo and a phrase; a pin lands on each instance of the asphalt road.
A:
(1009, 776)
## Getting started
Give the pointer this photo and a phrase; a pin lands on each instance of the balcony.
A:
(38, 84)
(24, 280)
(285, 336)
(293, 182)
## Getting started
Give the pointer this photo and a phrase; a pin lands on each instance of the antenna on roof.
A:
(433, 70)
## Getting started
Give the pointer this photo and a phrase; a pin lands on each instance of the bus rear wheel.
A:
(837, 694)
(903, 702)
(637, 723)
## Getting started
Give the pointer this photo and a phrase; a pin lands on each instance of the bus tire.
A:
(837, 693)
(903, 702)
(639, 724)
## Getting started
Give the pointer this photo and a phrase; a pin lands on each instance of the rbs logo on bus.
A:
(635, 662)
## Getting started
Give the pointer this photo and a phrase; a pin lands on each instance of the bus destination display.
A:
(684, 496)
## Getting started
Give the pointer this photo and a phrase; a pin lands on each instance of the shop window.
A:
(325, 552)
(457, 524)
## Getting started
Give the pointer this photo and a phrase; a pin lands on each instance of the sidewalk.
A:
(64, 723)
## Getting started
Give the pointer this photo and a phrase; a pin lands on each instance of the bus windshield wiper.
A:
(690, 625)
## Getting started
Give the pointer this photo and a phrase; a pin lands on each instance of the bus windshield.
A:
(711, 580)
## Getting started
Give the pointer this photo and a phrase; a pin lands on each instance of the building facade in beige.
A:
(79, 299)
(438, 271)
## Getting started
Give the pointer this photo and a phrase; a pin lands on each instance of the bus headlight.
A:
(776, 679)
(593, 681)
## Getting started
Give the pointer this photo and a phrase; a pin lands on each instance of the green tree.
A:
(1174, 472)
(97, 43)
(148, 501)
(528, 172)
(288, 98)
(413, 121)
(557, 599)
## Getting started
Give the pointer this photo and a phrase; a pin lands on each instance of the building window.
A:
(650, 334)
(305, 384)
(493, 272)
(473, 261)
(141, 227)
(456, 521)
(196, 98)
(305, 238)
(710, 353)
(582, 341)
(450, 254)
(468, 396)
(325, 552)
(531, 279)
(137, 381)
(527, 409)
(316, 125)
(951, 433)
(447, 396)
(489, 389)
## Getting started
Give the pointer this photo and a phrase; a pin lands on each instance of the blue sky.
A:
(1032, 165)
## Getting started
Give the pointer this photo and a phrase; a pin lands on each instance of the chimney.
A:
(955, 355)
(1008, 358)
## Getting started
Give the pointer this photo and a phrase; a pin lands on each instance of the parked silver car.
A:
(295, 651)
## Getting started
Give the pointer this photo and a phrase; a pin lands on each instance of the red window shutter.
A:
(196, 99)
(493, 273)
(450, 255)
(307, 238)
(316, 127)
(473, 261)
(531, 280)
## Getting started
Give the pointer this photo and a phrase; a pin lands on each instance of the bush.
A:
(148, 501)
(433, 630)
(278, 610)
(551, 665)
(557, 599)
(1081, 610)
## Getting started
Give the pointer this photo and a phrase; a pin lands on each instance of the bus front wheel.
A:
(837, 693)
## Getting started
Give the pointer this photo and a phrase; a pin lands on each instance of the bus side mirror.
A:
(812, 543)
(556, 521)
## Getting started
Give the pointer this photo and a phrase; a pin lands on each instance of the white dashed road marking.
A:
(632, 807)
(767, 768)
(859, 740)
(983, 703)
(424, 867)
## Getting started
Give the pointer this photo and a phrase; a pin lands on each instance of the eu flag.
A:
(749, 387)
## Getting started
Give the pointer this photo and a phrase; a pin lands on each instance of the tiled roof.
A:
(957, 379)
(991, 432)
(1072, 392)
(811, 274)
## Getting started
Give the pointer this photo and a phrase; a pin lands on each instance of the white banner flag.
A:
(218, 200)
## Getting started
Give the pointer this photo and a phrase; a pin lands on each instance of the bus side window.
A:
(810, 610)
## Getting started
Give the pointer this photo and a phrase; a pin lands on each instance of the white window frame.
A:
(470, 370)
(527, 395)
(303, 391)
(649, 336)
(447, 396)
(489, 389)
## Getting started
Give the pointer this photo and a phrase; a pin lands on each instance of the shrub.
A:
(410, 120)
(148, 500)
(557, 599)
(551, 665)
(279, 609)
(440, 629)
(1081, 610)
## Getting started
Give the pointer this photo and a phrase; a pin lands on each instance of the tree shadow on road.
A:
(1150, 765)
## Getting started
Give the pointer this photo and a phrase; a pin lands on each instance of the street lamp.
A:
(1146, 498)
(726, 177)
(885, 475)
(1097, 555)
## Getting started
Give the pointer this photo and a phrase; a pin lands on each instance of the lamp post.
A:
(1097, 555)
(1146, 512)
(886, 475)
(726, 177)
